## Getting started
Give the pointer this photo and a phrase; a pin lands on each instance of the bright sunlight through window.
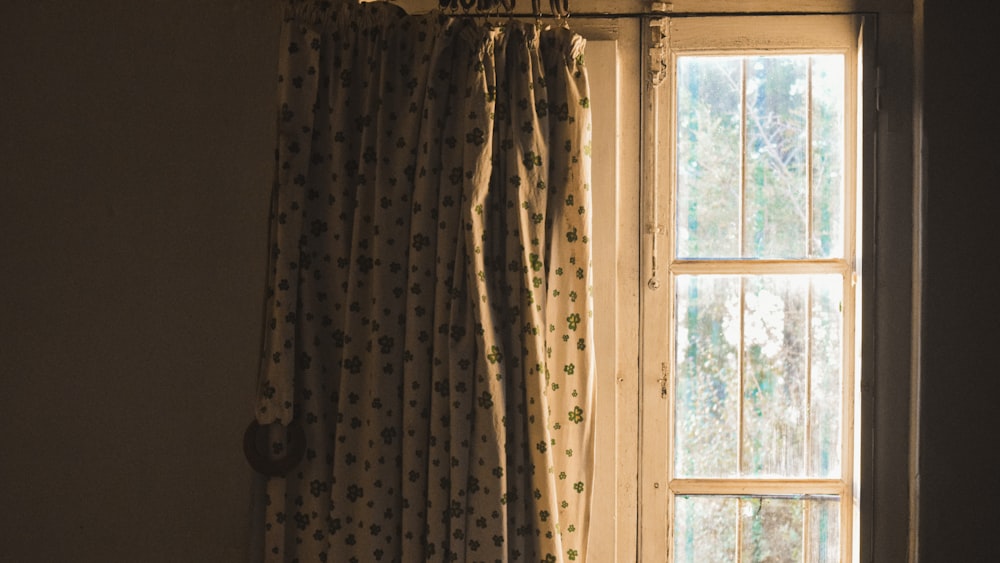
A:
(759, 297)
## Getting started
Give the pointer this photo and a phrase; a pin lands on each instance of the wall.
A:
(960, 402)
(136, 154)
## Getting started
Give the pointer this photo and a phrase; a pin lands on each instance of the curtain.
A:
(428, 319)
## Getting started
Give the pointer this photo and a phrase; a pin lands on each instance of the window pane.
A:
(774, 378)
(791, 353)
(705, 529)
(826, 383)
(756, 529)
(777, 182)
(707, 379)
(708, 156)
(828, 156)
(824, 531)
(782, 119)
(771, 529)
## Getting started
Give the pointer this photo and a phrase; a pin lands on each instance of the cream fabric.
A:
(429, 310)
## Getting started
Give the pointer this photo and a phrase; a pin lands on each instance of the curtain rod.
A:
(627, 15)
(470, 14)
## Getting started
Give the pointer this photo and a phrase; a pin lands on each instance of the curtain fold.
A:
(429, 310)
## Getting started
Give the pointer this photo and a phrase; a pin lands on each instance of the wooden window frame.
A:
(736, 36)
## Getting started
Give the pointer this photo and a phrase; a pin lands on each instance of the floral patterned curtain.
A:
(428, 322)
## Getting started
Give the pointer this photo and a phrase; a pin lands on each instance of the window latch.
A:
(664, 380)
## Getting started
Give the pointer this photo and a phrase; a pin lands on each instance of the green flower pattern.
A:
(428, 316)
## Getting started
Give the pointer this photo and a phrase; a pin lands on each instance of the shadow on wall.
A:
(137, 154)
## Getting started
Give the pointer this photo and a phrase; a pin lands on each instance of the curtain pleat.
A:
(429, 309)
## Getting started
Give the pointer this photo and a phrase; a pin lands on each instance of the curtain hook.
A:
(536, 8)
(496, 8)
(487, 9)
(560, 8)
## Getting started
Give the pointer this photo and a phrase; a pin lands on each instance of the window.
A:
(750, 253)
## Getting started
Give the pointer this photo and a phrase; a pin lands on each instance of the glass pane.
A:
(771, 530)
(708, 156)
(789, 423)
(705, 529)
(707, 376)
(824, 531)
(827, 156)
(774, 124)
(826, 361)
(777, 182)
(756, 529)
(775, 376)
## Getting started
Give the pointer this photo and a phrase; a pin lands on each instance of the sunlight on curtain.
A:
(429, 311)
